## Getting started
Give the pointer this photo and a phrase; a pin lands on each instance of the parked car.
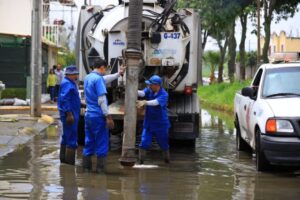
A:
(267, 115)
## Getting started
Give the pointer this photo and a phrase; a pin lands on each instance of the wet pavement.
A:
(17, 130)
(212, 170)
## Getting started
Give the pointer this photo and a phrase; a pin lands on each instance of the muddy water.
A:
(213, 170)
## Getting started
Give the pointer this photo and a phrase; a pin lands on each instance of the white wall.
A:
(52, 57)
(15, 17)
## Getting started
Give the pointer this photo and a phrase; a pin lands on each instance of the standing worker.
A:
(59, 77)
(97, 118)
(156, 121)
(51, 81)
(69, 110)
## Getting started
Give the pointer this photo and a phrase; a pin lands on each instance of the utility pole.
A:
(133, 56)
(258, 32)
(36, 58)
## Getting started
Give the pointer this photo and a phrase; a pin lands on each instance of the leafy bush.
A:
(66, 58)
(19, 93)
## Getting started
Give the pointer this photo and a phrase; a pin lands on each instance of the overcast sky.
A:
(62, 12)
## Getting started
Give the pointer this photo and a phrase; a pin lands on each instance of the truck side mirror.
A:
(248, 92)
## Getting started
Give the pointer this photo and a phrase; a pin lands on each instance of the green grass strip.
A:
(221, 96)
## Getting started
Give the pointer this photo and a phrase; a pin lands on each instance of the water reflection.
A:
(14, 176)
(212, 170)
(35, 170)
(68, 181)
(95, 188)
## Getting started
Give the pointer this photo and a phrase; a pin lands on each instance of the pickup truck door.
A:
(247, 108)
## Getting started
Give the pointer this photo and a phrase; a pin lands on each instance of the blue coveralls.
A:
(156, 121)
(69, 101)
(96, 132)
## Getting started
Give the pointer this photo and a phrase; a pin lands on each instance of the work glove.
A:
(110, 123)
(70, 118)
(122, 70)
(140, 104)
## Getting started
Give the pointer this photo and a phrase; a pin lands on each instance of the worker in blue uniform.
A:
(69, 110)
(97, 118)
(156, 121)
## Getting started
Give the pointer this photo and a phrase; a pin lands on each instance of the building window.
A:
(274, 49)
(282, 48)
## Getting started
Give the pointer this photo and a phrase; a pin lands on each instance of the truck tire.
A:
(241, 144)
(261, 162)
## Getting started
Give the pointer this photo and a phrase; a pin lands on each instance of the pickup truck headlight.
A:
(279, 125)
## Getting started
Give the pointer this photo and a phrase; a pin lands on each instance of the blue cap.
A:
(71, 70)
(154, 80)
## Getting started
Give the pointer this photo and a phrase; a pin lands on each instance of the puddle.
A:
(212, 170)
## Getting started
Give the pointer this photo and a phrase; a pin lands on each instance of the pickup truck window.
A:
(281, 82)
(256, 82)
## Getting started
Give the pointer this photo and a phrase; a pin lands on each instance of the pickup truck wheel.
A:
(261, 162)
(241, 144)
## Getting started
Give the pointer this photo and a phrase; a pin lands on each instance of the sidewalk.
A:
(18, 129)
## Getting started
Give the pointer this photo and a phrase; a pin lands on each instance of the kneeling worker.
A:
(156, 121)
(69, 111)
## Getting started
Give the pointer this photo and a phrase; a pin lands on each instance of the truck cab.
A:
(267, 115)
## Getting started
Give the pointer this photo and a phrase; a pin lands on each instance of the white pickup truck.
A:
(267, 115)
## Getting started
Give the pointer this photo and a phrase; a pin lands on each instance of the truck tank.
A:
(171, 46)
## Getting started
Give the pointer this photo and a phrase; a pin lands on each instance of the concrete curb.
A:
(26, 109)
(17, 130)
(44, 107)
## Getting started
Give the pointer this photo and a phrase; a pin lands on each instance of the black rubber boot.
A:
(166, 156)
(62, 153)
(70, 156)
(142, 155)
(87, 163)
(101, 163)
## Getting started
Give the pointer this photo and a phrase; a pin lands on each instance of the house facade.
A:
(15, 42)
(282, 43)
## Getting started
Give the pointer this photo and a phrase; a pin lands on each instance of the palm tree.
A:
(212, 58)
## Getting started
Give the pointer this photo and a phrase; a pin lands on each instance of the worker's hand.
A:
(70, 118)
(122, 70)
(110, 123)
(140, 104)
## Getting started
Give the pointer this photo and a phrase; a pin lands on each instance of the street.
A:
(213, 170)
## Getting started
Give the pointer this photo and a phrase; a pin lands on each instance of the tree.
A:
(218, 21)
(236, 9)
(222, 28)
(243, 16)
(214, 19)
(231, 51)
(66, 58)
(283, 9)
(243, 19)
(219, 17)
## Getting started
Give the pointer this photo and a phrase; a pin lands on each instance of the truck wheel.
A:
(241, 144)
(261, 162)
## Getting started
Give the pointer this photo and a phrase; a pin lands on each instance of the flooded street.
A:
(213, 170)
